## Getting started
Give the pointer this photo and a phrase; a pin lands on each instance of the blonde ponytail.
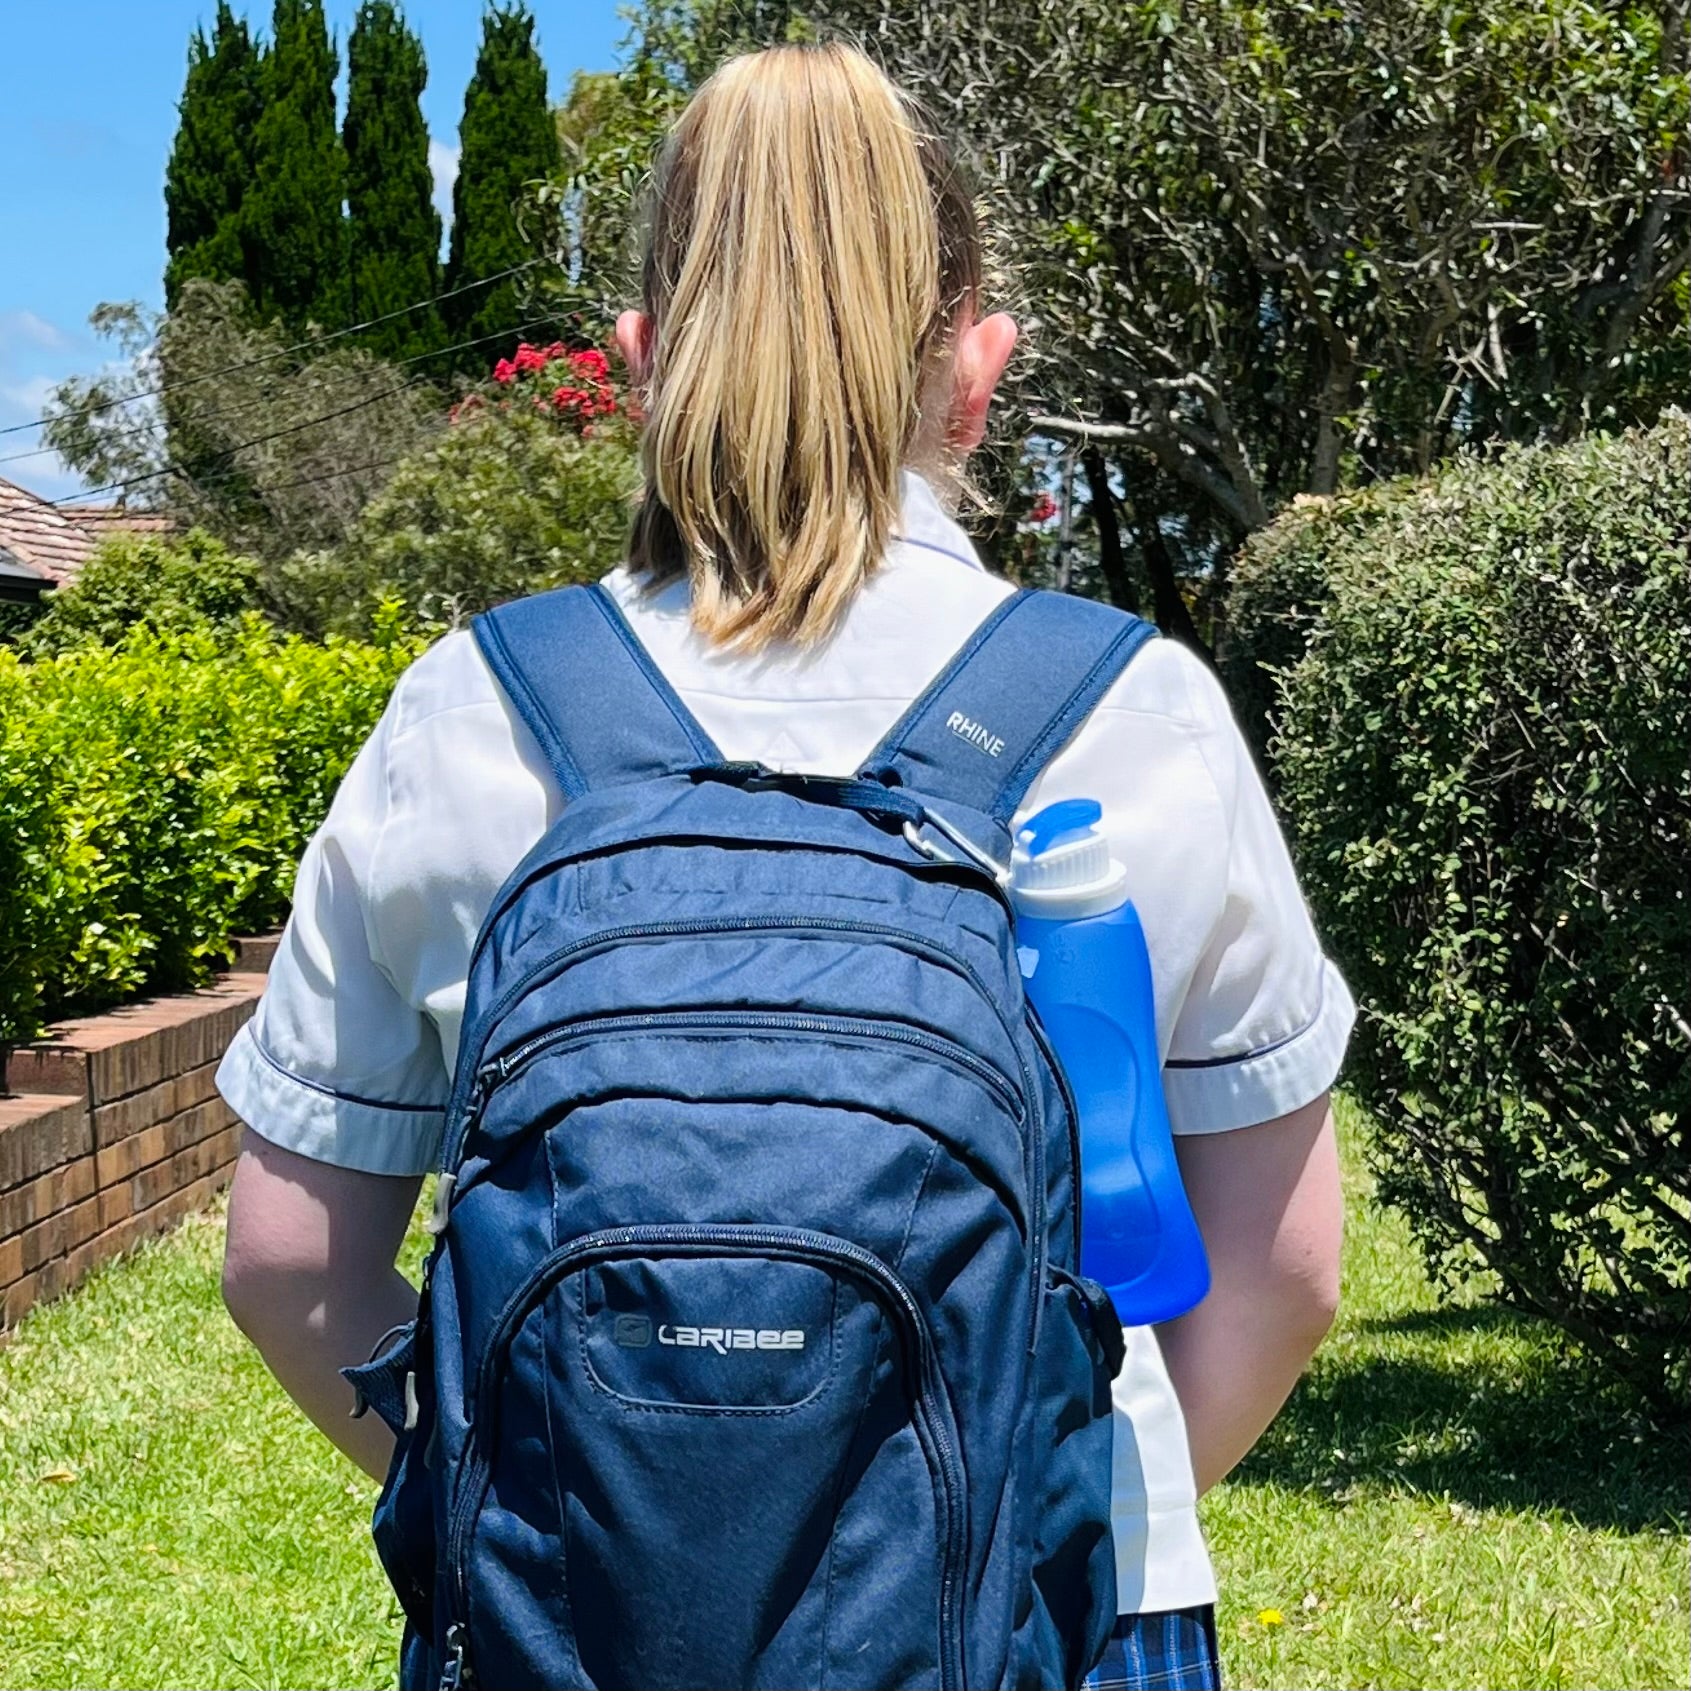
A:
(809, 248)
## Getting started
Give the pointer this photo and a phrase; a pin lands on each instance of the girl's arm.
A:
(1268, 1203)
(308, 1275)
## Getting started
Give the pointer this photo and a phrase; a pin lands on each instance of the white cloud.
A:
(443, 165)
(21, 402)
(24, 328)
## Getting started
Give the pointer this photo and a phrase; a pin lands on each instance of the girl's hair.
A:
(809, 249)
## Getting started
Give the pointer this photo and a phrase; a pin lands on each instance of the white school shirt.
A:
(349, 1056)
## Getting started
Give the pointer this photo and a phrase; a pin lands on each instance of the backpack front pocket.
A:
(710, 1455)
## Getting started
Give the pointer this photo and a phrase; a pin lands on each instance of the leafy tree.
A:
(293, 228)
(393, 228)
(530, 488)
(609, 130)
(151, 581)
(1484, 762)
(1281, 250)
(269, 451)
(508, 140)
(211, 160)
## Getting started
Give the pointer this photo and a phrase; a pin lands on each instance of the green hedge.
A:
(1484, 759)
(155, 797)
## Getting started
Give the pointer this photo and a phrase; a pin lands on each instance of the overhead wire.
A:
(294, 428)
(280, 352)
(259, 403)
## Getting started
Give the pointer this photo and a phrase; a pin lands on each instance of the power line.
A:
(294, 428)
(282, 352)
(260, 403)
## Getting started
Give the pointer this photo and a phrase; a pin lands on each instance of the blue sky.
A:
(88, 92)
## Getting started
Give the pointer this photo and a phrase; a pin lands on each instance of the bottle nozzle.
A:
(1062, 865)
(1057, 824)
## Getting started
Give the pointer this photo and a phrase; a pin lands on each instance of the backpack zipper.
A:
(1043, 1040)
(719, 1240)
(557, 961)
(915, 944)
(502, 1069)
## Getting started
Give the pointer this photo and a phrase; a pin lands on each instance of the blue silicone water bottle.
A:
(1088, 974)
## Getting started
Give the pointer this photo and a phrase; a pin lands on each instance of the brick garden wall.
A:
(111, 1130)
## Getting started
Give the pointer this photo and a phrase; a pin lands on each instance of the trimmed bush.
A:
(155, 797)
(1484, 758)
(146, 581)
(1279, 587)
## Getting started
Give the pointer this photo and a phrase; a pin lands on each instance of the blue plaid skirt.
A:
(1172, 1651)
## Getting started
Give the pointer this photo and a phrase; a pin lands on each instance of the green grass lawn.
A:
(1447, 1502)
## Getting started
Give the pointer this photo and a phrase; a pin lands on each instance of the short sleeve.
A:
(336, 1065)
(1266, 1015)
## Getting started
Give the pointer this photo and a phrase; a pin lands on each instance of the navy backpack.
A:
(753, 1350)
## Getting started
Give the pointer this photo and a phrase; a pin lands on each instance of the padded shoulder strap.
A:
(588, 690)
(1002, 708)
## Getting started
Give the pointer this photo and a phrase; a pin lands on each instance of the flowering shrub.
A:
(507, 501)
(534, 371)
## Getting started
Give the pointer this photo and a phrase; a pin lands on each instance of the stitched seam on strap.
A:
(1075, 710)
(538, 722)
(704, 748)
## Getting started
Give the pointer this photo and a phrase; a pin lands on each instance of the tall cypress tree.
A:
(211, 161)
(293, 228)
(393, 228)
(508, 139)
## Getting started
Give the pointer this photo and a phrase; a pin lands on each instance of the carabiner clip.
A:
(972, 852)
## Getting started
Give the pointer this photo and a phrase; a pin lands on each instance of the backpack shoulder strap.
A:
(1023, 682)
(588, 690)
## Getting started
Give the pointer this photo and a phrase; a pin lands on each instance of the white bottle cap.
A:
(1061, 869)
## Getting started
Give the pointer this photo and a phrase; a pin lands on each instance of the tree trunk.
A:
(1119, 584)
(1173, 618)
(1329, 442)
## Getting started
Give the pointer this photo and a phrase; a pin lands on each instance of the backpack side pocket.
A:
(1074, 1574)
(403, 1525)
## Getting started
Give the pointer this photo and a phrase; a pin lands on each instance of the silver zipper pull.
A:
(436, 1224)
(452, 1674)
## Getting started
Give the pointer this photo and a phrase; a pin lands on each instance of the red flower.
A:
(504, 371)
(1043, 509)
(530, 357)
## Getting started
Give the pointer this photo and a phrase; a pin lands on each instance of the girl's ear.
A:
(634, 342)
(983, 350)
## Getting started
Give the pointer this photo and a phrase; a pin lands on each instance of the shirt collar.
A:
(923, 522)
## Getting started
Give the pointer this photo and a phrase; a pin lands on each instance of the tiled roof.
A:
(117, 519)
(59, 540)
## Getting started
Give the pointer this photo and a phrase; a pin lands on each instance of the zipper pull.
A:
(452, 1674)
(436, 1224)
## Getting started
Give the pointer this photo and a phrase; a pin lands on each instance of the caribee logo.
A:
(634, 1332)
(976, 733)
(724, 1339)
